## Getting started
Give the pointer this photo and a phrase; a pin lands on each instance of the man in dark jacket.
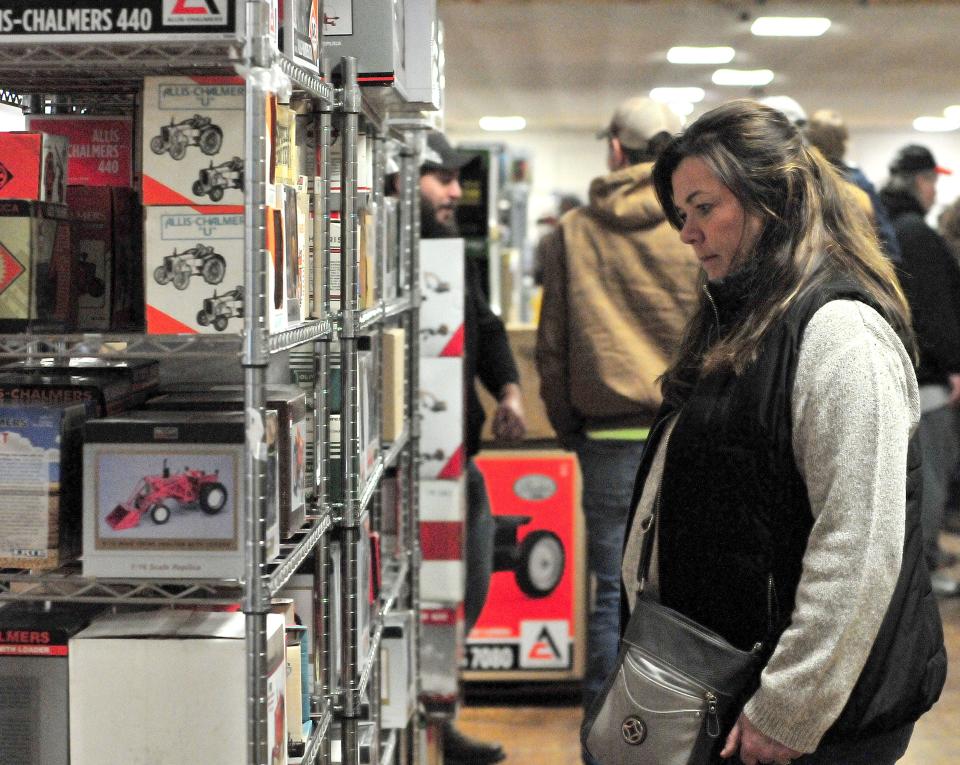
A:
(930, 277)
(487, 357)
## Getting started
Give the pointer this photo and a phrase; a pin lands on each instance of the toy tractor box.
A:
(193, 140)
(164, 494)
(441, 297)
(33, 166)
(37, 268)
(40, 468)
(294, 255)
(179, 679)
(300, 29)
(34, 657)
(143, 375)
(107, 246)
(289, 403)
(100, 396)
(99, 148)
(440, 407)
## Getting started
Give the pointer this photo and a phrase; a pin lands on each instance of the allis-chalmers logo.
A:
(10, 268)
(195, 11)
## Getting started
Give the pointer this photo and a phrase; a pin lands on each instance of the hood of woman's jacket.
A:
(625, 199)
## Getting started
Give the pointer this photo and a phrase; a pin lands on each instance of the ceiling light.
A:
(502, 124)
(683, 108)
(952, 113)
(686, 54)
(670, 95)
(935, 124)
(790, 26)
(748, 77)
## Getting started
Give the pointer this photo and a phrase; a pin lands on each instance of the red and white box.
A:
(442, 514)
(441, 297)
(441, 640)
(33, 166)
(440, 399)
(100, 149)
(193, 140)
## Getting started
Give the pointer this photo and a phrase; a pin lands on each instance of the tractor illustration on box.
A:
(87, 281)
(162, 495)
(214, 180)
(219, 309)
(537, 561)
(193, 131)
(201, 260)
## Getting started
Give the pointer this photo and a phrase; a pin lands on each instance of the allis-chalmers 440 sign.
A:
(76, 19)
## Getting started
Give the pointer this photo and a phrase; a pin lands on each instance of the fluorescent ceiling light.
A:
(935, 124)
(670, 95)
(749, 77)
(952, 113)
(502, 124)
(686, 54)
(683, 108)
(790, 26)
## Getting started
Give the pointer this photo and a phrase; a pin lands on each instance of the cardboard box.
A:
(300, 589)
(107, 242)
(394, 382)
(367, 255)
(183, 675)
(33, 166)
(194, 271)
(99, 149)
(294, 257)
(34, 680)
(289, 403)
(40, 469)
(297, 718)
(369, 405)
(442, 516)
(441, 635)
(532, 625)
(372, 31)
(393, 524)
(397, 665)
(303, 374)
(286, 162)
(390, 277)
(193, 139)
(100, 395)
(441, 409)
(300, 35)
(142, 375)
(442, 297)
(163, 495)
(38, 271)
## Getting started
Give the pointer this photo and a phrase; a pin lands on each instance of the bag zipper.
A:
(666, 686)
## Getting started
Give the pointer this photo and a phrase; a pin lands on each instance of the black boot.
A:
(460, 749)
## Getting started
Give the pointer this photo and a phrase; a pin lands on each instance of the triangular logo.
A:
(10, 269)
(5, 175)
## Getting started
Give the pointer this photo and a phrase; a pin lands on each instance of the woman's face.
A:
(714, 221)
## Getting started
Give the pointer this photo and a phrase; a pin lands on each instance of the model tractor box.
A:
(99, 148)
(164, 494)
(101, 396)
(193, 260)
(143, 375)
(168, 687)
(193, 140)
(34, 657)
(441, 297)
(106, 243)
(37, 268)
(300, 22)
(440, 407)
(442, 517)
(289, 403)
(40, 468)
(33, 166)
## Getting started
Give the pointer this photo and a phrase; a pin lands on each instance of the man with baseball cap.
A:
(618, 288)
(931, 281)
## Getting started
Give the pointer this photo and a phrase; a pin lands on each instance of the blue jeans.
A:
(938, 443)
(609, 469)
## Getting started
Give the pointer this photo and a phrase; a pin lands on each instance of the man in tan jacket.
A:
(618, 288)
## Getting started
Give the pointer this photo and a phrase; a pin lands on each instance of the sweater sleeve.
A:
(854, 406)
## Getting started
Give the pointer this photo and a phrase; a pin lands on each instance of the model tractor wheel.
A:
(220, 323)
(178, 148)
(211, 140)
(97, 288)
(157, 144)
(161, 275)
(214, 269)
(160, 513)
(216, 194)
(181, 279)
(213, 497)
(540, 563)
(203, 318)
(197, 189)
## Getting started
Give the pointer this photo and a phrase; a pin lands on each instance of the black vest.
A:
(735, 518)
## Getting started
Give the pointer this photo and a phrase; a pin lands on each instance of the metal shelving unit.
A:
(83, 75)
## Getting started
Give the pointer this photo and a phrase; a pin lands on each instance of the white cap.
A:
(788, 107)
(639, 119)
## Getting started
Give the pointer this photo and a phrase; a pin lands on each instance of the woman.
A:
(788, 414)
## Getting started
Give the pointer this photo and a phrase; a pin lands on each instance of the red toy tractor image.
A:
(197, 130)
(161, 495)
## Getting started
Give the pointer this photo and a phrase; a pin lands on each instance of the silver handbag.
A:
(676, 687)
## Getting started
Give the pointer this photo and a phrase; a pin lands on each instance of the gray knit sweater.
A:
(855, 404)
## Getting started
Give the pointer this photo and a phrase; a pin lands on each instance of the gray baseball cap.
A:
(639, 119)
(438, 154)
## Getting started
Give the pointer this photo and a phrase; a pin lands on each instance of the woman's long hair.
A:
(812, 232)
